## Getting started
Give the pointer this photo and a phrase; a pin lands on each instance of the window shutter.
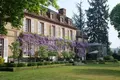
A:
(32, 26)
(24, 24)
(5, 56)
(66, 37)
(32, 50)
(45, 29)
(39, 28)
(56, 31)
(61, 33)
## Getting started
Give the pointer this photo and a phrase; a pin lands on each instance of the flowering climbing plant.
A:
(53, 44)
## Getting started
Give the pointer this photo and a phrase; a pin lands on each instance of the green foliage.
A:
(11, 64)
(108, 58)
(52, 53)
(32, 64)
(78, 19)
(21, 65)
(101, 62)
(15, 48)
(1, 60)
(97, 22)
(72, 54)
(12, 11)
(66, 54)
(115, 18)
(43, 53)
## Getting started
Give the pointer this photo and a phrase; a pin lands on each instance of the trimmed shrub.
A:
(101, 62)
(1, 60)
(47, 63)
(116, 61)
(108, 58)
(91, 62)
(32, 64)
(21, 65)
(40, 63)
(10, 64)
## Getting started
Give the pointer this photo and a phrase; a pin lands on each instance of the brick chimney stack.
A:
(62, 11)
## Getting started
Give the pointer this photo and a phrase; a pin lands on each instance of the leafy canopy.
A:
(115, 18)
(15, 48)
(12, 11)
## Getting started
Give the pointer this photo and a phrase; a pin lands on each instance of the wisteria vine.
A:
(52, 43)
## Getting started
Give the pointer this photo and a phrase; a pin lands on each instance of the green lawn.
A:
(87, 72)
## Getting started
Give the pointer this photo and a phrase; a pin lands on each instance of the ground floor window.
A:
(1, 47)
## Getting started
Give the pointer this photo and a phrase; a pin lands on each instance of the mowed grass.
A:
(86, 72)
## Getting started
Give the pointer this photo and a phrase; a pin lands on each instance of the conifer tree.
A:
(97, 22)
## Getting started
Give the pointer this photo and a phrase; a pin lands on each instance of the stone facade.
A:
(55, 24)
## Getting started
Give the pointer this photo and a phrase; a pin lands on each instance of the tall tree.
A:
(115, 18)
(12, 11)
(97, 22)
(78, 19)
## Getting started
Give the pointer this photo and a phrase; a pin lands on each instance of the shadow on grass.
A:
(104, 72)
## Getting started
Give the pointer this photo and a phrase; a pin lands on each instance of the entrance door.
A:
(1, 47)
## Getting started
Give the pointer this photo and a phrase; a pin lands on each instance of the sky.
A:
(70, 6)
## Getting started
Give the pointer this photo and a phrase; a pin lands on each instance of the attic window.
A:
(52, 16)
(61, 19)
(69, 22)
(41, 12)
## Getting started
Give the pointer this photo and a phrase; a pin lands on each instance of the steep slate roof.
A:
(56, 19)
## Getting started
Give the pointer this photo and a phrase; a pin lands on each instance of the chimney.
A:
(62, 11)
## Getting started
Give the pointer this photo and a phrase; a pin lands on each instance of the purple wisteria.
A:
(55, 44)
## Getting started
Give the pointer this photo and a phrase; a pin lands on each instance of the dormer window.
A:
(51, 16)
(69, 22)
(62, 19)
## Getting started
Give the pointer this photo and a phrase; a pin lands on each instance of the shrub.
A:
(116, 61)
(21, 65)
(108, 58)
(2, 65)
(1, 60)
(32, 64)
(101, 62)
(40, 63)
(91, 62)
(10, 64)
(47, 63)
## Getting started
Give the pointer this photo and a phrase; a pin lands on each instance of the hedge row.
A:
(99, 61)
(29, 64)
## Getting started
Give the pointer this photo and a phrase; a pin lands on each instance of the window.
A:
(59, 31)
(41, 28)
(61, 19)
(41, 12)
(63, 33)
(53, 31)
(71, 35)
(68, 34)
(69, 22)
(51, 15)
(1, 47)
(28, 25)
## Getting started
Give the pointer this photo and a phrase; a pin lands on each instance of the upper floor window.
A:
(41, 12)
(51, 16)
(68, 33)
(63, 33)
(28, 25)
(53, 31)
(71, 34)
(61, 19)
(41, 28)
(1, 47)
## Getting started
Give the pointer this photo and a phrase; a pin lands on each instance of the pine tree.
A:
(97, 22)
(78, 19)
